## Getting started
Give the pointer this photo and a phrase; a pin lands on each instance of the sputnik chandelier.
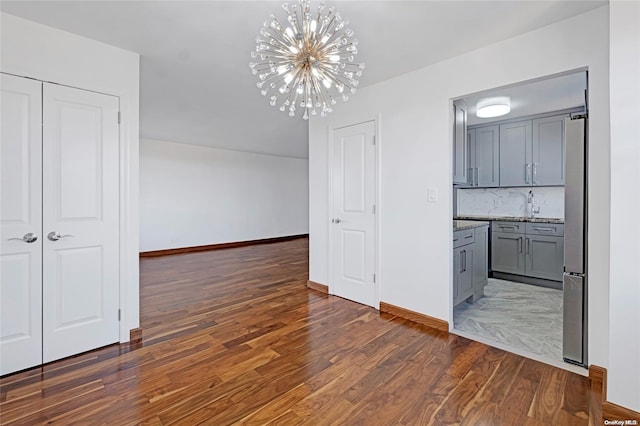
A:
(307, 61)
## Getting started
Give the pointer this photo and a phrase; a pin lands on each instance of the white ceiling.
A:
(196, 86)
(530, 98)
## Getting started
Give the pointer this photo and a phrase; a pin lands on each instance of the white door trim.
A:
(376, 119)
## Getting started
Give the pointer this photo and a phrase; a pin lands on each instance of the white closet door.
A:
(21, 218)
(80, 221)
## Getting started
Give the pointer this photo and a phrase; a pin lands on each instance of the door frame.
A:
(331, 128)
(127, 206)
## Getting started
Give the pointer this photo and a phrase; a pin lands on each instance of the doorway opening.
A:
(519, 210)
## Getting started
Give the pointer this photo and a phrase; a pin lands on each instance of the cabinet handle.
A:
(535, 173)
(461, 270)
(468, 236)
(544, 229)
(465, 261)
(507, 227)
(477, 172)
(526, 173)
(527, 251)
(519, 244)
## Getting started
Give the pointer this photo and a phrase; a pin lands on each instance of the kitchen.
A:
(519, 217)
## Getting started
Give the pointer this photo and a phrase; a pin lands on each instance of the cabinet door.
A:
(464, 271)
(486, 156)
(507, 252)
(548, 151)
(544, 257)
(480, 262)
(457, 268)
(460, 161)
(471, 154)
(515, 154)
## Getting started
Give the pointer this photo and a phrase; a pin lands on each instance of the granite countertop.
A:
(511, 219)
(459, 225)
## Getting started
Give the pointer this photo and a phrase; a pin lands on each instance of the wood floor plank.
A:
(235, 336)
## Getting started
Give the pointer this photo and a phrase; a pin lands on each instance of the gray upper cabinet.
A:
(515, 153)
(548, 151)
(460, 160)
(484, 156)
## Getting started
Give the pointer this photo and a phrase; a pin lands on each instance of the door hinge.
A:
(118, 314)
(118, 117)
(374, 278)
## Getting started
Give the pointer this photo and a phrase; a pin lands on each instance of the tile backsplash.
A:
(511, 201)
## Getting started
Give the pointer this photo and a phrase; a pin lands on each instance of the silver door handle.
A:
(29, 238)
(520, 244)
(527, 171)
(527, 251)
(535, 173)
(55, 236)
(336, 220)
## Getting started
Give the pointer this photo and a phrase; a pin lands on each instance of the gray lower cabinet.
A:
(544, 257)
(535, 250)
(480, 261)
(507, 254)
(470, 264)
(463, 278)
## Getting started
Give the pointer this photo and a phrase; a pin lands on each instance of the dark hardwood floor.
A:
(234, 336)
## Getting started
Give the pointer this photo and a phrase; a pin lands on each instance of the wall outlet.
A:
(432, 195)
(496, 202)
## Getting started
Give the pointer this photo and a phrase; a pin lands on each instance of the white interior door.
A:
(353, 216)
(21, 224)
(80, 221)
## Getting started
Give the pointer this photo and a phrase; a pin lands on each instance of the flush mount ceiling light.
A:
(306, 62)
(493, 107)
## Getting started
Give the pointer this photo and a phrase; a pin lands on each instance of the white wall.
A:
(624, 322)
(511, 201)
(415, 149)
(33, 50)
(193, 195)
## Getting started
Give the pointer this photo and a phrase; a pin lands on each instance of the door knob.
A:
(29, 237)
(336, 220)
(55, 236)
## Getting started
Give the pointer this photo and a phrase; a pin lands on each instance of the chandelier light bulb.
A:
(312, 53)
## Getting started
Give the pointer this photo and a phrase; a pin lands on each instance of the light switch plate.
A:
(432, 195)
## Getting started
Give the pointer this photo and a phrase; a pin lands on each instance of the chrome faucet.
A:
(532, 201)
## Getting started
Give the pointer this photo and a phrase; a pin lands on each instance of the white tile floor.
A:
(524, 316)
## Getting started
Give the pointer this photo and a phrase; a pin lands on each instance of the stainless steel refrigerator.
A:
(574, 336)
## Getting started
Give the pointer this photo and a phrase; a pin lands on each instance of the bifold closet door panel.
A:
(21, 222)
(80, 221)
